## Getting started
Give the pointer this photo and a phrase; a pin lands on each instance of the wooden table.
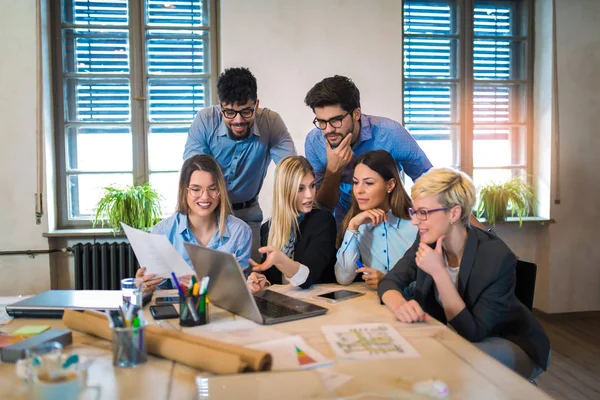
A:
(469, 373)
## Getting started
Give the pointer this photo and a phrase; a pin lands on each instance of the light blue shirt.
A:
(379, 247)
(376, 133)
(244, 162)
(237, 238)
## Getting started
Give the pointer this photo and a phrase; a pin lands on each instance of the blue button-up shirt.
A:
(376, 133)
(378, 247)
(237, 238)
(244, 162)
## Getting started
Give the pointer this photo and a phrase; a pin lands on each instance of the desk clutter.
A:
(194, 351)
(20, 346)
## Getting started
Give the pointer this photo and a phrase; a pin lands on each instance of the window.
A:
(130, 76)
(468, 84)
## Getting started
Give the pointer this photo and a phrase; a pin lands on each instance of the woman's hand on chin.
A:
(431, 260)
(374, 215)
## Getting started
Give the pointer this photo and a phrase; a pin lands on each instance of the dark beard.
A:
(233, 136)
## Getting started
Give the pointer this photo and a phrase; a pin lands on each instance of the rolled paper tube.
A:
(257, 360)
(185, 352)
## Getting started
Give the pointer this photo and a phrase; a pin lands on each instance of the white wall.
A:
(292, 45)
(18, 108)
(574, 251)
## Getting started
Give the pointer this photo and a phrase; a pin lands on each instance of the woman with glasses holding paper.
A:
(465, 277)
(204, 217)
(299, 240)
(377, 230)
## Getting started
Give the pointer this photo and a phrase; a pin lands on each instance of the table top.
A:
(444, 355)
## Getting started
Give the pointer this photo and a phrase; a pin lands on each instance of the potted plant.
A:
(136, 206)
(497, 201)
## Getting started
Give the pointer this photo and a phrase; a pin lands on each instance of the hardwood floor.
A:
(574, 372)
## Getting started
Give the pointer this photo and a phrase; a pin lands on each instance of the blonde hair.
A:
(452, 188)
(384, 165)
(203, 162)
(289, 173)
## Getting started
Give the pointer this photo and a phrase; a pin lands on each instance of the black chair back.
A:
(525, 285)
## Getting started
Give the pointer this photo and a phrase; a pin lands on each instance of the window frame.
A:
(138, 89)
(462, 141)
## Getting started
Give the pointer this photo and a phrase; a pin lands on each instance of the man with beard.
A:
(342, 133)
(243, 138)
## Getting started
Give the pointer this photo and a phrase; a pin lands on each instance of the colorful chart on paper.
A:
(292, 353)
(366, 341)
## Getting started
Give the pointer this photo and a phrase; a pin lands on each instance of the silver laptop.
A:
(227, 289)
(51, 304)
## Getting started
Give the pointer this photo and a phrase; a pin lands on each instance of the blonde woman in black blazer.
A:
(465, 277)
(298, 242)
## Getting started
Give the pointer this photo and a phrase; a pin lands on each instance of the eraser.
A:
(16, 351)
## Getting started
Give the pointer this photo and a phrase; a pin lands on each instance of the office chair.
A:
(525, 282)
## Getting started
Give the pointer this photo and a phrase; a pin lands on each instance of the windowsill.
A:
(526, 220)
(74, 233)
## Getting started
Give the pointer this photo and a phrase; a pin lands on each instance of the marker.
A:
(177, 285)
(361, 265)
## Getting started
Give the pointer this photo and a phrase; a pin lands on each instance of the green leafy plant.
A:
(136, 206)
(497, 201)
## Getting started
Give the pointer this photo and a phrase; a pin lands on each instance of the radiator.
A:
(101, 266)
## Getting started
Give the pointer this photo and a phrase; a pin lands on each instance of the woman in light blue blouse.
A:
(377, 230)
(202, 205)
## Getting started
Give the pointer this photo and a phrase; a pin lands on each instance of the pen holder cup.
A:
(129, 346)
(193, 310)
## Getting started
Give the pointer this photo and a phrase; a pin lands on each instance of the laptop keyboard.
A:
(273, 310)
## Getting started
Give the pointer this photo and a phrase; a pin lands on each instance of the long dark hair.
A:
(383, 163)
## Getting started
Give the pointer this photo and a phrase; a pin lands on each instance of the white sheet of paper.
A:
(242, 332)
(292, 353)
(331, 379)
(156, 253)
(368, 341)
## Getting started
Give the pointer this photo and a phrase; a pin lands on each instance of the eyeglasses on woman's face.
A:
(422, 214)
(197, 191)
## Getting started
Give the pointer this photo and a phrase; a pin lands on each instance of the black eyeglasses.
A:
(335, 122)
(230, 113)
(423, 214)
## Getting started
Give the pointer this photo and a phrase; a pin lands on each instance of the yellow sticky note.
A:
(30, 330)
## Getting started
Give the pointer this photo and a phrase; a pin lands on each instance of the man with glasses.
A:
(342, 132)
(243, 138)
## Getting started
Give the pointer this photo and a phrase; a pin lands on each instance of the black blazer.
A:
(315, 248)
(486, 283)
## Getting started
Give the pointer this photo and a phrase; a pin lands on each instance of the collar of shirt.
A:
(365, 129)
(224, 130)
(183, 228)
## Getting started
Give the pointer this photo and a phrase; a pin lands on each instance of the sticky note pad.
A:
(30, 330)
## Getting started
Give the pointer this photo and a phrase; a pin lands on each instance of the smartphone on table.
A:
(167, 300)
(339, 295)
(165, 311)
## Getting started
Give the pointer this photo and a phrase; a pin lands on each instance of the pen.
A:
(361, 265)
(181, 292)
(258, 280)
